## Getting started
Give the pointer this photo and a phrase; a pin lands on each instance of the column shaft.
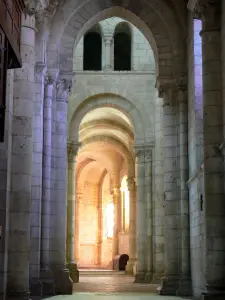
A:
(149, 215)
(170, 280)
(116, 201)
(19, 220)
(46, 190)
(141, 216)
(71, 193)
(213, 202)
(132, 226)
(108, 47)
(185, 287)
(158, 198)
(36, 187)
(63, 281)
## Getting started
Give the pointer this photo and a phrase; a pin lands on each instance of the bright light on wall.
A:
(127, 208)
(110, 219)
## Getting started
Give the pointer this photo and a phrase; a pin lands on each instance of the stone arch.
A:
(122, 104)
(121, 148)
(158, 20)
(101, 158)
(108, 124)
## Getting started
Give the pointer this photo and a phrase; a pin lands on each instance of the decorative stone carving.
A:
(39, 68)
(131, 184)
(143, 153)
(63, 86)
(140, 154)
(207, 10)
(51, 76)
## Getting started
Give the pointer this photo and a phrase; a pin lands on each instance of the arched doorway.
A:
(106, 139)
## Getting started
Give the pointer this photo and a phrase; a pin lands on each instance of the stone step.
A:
(97, 272)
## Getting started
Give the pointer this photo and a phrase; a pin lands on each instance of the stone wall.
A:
(137, 88)
(195, 153)
(5, 181)
(142, 58)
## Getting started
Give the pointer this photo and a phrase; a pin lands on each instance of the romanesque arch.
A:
(117, 145)
(122, 104)
(158, 20)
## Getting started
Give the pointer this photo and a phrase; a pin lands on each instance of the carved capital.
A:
(51, 76)
(182, 93)
(140, 154)
(143, 153)
(148, 155)
(64, 85)
(42, 20)
(130, 184)
(165, 86)
(209, 11)
(72, 149)
(40, 68)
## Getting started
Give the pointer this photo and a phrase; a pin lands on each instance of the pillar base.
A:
(47, 282)
(63, 282)
(185, 286)
(214, 292)
(22, 295)
(213, 296)
(156, 278)
(35, 287)
(140, 277)
(169, 285)
(130, 266)
(74, 272)
(148, 277)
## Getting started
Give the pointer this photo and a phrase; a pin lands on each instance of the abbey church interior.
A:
(112, 144)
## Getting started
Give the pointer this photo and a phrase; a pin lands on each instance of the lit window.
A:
(110, 219)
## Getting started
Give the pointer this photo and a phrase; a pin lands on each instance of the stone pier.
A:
(71, 212)
(21, 168)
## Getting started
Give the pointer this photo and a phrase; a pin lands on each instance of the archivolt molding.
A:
(100, 156)
(157, 19)
(121, 148)
(108, 124)
(119, 103)
(80, 166)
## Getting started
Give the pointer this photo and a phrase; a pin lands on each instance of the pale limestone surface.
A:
(33, 158)
(116, 296)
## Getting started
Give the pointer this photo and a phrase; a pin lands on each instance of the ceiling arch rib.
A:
(119, 104)
(108, 124)
(92, 172)
(107, 143)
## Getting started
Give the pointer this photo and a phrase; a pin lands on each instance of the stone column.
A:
(149, 214)
(122, 211)
(36, 185)
(185, 286)
(213, 201)
(158, 198)
(140, 215)
(108, 47)
(116, 202)
(64, 284)
(47, 207)
(170, 281)
(19, 218)
(72, 149)
(132, 225)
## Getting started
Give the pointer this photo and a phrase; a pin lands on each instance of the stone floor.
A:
(112, 288)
